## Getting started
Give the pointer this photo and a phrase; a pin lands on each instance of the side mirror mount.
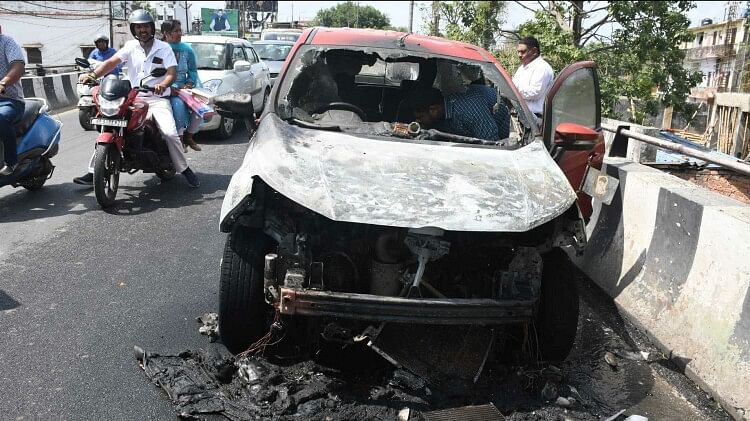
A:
(82, 62)
(241, 66)
(575, 137)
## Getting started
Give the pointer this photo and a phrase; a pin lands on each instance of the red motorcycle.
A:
(127, 141)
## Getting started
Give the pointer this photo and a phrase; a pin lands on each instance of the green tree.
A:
(136, 5)
(642, 55)
(474, 22)
(349, 14)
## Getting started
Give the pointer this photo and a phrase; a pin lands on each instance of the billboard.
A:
(220, 22)
(262, 6)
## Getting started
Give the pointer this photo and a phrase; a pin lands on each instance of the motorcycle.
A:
(37, 140)
(86, 106)
(127, 141)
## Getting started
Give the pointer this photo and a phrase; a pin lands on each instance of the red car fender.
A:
(109, 137)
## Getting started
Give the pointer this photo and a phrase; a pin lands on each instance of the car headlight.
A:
(109, 107)
(212, 85)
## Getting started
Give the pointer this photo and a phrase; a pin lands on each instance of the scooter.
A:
(38, 140)
(86, 106)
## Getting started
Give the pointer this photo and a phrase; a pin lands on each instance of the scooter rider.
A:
(104, 52)
(143, 55)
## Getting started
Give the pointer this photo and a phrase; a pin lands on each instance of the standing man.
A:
(534, 77)
(104, 52)
(143, 55)
(12, 67)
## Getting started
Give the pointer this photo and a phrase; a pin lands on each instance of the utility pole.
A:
(111, 29)
(187, 20)
(436, 18)
(411, 16)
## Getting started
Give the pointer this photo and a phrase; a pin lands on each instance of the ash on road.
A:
(612, 369)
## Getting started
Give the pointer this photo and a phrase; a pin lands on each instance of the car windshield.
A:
(209, 56)
(272, 52)
(281, 36)
(372, 92)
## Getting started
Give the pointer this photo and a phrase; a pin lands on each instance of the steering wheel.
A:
(346, 106)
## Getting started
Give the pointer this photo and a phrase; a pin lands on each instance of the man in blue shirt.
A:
(468, 113)
(104, 52)
(12, 66)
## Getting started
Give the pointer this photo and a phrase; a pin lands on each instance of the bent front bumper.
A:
(368, 307)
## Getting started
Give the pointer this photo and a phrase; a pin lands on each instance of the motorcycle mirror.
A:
(158, 72)
(82, 62)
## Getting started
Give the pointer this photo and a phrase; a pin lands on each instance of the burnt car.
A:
(350, 219)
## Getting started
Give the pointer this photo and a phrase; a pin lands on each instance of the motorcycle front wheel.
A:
(106, 174)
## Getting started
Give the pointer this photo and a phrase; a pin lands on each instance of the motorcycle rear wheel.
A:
(106, 174)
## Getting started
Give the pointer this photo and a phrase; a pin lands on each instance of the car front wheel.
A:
(226, 128)
(556, 321)
(244, 316)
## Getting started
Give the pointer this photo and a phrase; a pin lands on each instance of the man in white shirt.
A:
(534, 77)
(142, 55)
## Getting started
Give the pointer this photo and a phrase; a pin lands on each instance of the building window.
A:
(731, 35)
(33, 54)
(715, 35)
(699, 39)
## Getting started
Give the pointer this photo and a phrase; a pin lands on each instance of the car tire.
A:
(553, 332)
(243, 312)
(226, 128)
(84, 118)
(266, 95)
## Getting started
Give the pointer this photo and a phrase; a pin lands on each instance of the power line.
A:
(60, 8)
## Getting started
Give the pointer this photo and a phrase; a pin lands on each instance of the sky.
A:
(398, 11)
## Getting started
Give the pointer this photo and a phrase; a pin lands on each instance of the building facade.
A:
(54, 33)
(719, 51)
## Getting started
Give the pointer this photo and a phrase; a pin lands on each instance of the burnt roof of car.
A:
(374, 38)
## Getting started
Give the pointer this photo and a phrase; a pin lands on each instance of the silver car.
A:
(229, 65)
(273, 53)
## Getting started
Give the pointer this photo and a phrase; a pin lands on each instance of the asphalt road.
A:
(79, 287)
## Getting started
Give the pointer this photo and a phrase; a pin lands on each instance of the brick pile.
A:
(726, 182)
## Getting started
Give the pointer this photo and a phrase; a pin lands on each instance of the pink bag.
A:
(197, 104)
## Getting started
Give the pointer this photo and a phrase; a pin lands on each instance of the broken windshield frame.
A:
(377, 66)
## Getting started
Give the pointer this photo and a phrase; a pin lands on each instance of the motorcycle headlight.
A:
(212, 85)
(109, 107)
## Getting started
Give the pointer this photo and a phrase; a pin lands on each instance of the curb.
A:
(59, 90)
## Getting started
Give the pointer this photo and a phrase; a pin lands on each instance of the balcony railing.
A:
(712, 51)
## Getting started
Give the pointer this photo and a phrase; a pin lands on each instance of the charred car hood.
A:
(405, 184)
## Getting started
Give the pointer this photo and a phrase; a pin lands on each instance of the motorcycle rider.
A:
(142, 55)
(12, 66)
(104, 52)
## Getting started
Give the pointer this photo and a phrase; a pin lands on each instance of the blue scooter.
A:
(38, 139)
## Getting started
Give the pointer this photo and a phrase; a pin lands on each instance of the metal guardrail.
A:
(733, 164)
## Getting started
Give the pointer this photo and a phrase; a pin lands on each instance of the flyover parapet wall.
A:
(675, 257)
(59, 89)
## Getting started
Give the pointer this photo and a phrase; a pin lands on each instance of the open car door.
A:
(572, 130)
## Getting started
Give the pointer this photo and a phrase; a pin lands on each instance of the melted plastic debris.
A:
(210, 326)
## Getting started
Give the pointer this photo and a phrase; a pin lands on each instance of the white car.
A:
(229, 65)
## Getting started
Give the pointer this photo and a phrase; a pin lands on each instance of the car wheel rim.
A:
(228, 125)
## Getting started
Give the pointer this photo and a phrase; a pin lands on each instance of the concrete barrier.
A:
(59, 90)
(675, 258)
